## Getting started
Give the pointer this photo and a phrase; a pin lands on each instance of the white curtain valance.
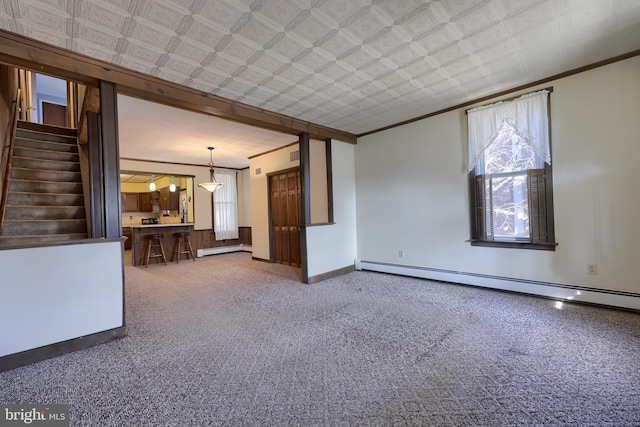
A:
(527, 115)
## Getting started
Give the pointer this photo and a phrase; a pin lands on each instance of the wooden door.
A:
(284, 189)
(54, 114)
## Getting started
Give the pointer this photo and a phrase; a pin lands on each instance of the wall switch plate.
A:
(592, 269)
(400, 254)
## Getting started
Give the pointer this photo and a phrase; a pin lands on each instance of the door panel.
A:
(285, 213)
(54, 114)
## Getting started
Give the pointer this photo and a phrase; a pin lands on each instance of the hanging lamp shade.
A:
(212, 185)
(152, 185)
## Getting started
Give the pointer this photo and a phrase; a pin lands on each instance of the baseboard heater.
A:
(561, 292)
(223, 250)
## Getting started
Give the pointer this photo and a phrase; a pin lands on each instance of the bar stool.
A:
(182, 238)
(154, 249)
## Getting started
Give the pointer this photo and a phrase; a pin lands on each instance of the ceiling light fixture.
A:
(211, 186)
(152, 185)
(172, 186)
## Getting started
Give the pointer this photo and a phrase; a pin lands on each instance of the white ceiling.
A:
(152, 131)
(353, 65)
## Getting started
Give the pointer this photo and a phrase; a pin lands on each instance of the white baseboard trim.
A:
(223, 250)
(561, 292)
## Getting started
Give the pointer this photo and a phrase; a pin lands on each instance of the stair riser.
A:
(37, 127)
(45, 187)
(30, 199)
(40, 175)
(44, 212)
(41, 136)
(46, 145)
(26, 228)
(45, 154)
(21, 162)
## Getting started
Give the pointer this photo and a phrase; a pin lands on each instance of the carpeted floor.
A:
(226, 341)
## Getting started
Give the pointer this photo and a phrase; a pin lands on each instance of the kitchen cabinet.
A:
(145, 202)
(169, 201)
(126, 232)
(129, 202)
(149, 200)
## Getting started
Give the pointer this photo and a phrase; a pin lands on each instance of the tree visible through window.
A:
(510, 174)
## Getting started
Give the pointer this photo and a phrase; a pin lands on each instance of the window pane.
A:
(508, 153)
(510, 207)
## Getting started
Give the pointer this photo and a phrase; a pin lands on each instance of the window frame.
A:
(476, 229)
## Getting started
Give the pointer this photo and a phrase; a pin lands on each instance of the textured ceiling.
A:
(353, 65)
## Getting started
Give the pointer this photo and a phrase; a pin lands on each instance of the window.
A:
(510, 173)
(225, 206)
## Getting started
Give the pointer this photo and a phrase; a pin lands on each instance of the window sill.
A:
(514, 245)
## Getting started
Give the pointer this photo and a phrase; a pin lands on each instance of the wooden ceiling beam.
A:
(40, 57)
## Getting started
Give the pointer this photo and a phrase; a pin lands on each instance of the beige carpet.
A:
(227, 341)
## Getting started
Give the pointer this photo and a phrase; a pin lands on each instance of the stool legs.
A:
(177, 249)
(154, 242)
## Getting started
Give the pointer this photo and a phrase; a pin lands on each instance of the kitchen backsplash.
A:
(135, 218)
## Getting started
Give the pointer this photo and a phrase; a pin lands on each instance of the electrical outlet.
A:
(592, 269)
(400, 253)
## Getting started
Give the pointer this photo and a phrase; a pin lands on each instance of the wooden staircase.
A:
(45, 200)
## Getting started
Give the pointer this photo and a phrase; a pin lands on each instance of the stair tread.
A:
(48, 181)
(47, 160)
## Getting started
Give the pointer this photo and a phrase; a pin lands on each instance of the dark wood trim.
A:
(305, 202)
(548, 175)
(274, 150)
(132, 172)
(260, 260)
(509, 91)
(28, 357)
(178, 164)
(94, 144)
(331, 274)
(111, 159)
(329, 161)
(515, 245)
(44, 58)
(305, 179)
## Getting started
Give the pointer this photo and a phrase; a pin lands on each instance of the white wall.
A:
(76, 290)
(244, 198)
(332, 247)
(412, 190)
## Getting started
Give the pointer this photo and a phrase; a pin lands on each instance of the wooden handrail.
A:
(8, 144)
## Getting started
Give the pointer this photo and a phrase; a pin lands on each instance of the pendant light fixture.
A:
(152, 185)
(172, 186)
(211, 186)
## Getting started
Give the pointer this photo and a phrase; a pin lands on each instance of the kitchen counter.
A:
(138, 241)
(177, 224)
